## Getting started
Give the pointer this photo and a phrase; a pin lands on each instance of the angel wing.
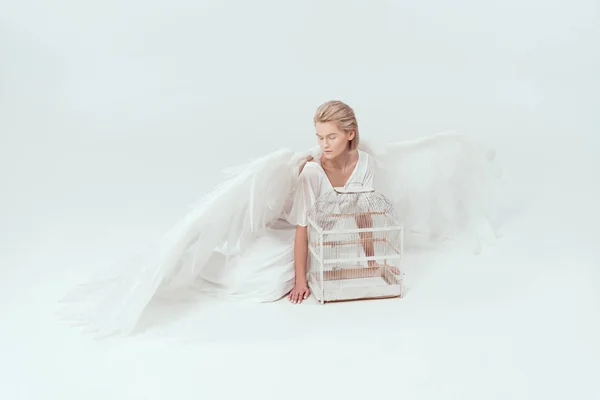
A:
(443, 186)
(254, 195)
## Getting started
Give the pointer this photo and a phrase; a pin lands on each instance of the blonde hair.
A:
(343, 115)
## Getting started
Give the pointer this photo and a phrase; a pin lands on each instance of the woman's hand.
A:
(299, 293)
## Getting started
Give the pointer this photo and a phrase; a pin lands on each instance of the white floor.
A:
(519, 321)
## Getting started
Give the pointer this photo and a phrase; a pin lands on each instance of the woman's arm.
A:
(366, 238)
(300, 291)
(367, 242)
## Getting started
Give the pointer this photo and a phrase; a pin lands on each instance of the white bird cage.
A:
(355, 246)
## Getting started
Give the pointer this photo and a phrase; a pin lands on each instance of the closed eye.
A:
(332, 136)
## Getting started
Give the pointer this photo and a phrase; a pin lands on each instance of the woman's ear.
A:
(351, 135)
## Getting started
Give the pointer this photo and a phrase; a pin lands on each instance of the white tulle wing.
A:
(226, 219)
(443, 186)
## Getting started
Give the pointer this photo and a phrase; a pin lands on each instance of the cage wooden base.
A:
(396, 296)
(346, 284)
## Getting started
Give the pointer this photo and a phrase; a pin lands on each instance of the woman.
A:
(248, 238)
(341, 164)
(274, 264)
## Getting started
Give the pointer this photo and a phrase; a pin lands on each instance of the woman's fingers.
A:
(296, 296)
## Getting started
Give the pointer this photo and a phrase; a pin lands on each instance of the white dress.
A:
(238, 240)
(264, 271)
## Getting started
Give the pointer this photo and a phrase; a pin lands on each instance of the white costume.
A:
(239, 240)
(264, 271)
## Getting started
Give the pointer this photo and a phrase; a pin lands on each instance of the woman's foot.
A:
(392, 269)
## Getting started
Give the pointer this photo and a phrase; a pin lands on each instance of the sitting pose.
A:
(248, 238)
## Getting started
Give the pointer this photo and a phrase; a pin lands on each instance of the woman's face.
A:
(332, 140)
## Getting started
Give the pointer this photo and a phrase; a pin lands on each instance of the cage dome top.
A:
(345, 205)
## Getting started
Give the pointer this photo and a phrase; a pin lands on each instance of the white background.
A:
(115, 116)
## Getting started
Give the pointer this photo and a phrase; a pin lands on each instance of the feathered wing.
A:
(252, 197)
(443, 186)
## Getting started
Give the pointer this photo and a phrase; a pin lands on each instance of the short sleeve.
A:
(306, 194)
(369, 172)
